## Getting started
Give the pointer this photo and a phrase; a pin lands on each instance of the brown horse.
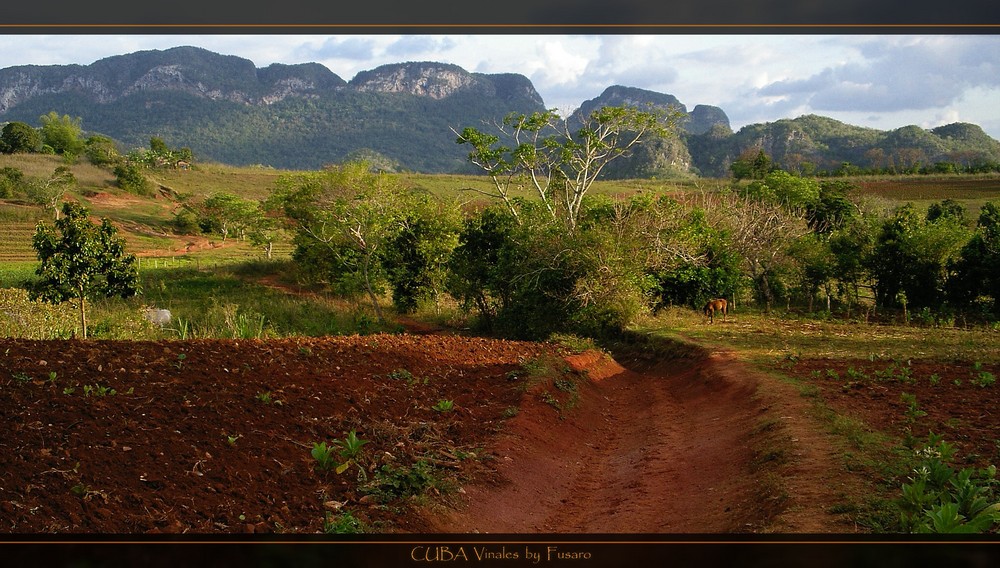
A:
(716, 305)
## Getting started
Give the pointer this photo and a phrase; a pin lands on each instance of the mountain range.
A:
(401, 116)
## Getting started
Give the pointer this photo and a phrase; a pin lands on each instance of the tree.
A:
(794, 193)
(101, 150)
(416, 257)
(18, 137)
(11, 181)
(479, 267)
(228, 213)
(264, 229)
(912, 256)
(977, 271)
(560, 166)
(81, 260)
(946, 208)
(817, 263)
(760, 232)
(132, 178)
(833, 208)
(752, 165)
(343, 219)
(158, 146)
(62, 133)
(48, 193)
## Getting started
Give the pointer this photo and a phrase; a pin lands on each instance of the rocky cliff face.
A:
(204, 74)
(189, 70)
(440, 81)
(698, 121)
(434, 80)
(704, 118)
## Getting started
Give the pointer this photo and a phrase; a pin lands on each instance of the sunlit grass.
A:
(762, 337)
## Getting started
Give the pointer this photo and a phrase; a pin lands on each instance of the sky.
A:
(878, 81)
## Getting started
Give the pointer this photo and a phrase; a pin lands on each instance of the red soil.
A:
(186, 445)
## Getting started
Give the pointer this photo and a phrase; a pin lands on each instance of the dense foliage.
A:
(81, 260)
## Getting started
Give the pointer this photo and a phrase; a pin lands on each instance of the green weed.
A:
(98, 390)
(939, 499)
(344, 523)
(444, 406)
(340, 455)
(398, 482)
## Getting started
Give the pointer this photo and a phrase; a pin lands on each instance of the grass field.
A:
(766, 338)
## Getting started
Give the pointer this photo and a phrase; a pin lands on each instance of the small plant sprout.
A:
(179, 363)
(444, 406)
(330, 457)
(982, 378)
(351, 445)
(231, 439)
(323, 455)
(267, 397)
(52, 377)
(98, 390)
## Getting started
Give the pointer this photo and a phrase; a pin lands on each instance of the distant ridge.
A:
(304, 116)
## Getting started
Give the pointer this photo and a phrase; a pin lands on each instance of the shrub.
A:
(132, 178)
(22, 317)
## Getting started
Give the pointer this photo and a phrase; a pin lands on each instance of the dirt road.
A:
(696, 446)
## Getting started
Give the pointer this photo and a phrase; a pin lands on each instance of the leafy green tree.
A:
(891, 256)
(131, 177)
(936, 245)
(264, 230)
(230, 214)
(833, 208)
(792, 192)
(81, 260)
(852, 245)
(343, 219)
(560, 166)
(479, 267)
(911, 259)
(101, 150)
(946, 208)
(158, 146)
(18, 137)
(977, 271)
(416, 257)
(752, 165)
(818, 264)
(11, 181)
(62, 133)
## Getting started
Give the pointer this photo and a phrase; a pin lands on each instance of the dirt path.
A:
(662, 448)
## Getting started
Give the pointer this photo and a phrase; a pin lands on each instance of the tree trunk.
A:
(83, 312)
(371, 293)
